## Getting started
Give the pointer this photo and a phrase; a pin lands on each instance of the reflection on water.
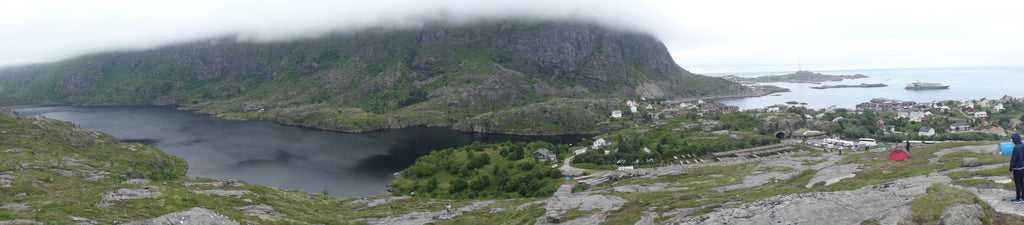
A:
(259, 152)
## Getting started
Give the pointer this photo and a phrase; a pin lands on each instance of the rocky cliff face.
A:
(452, 72)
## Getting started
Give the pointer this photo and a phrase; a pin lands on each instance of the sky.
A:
(719, 36)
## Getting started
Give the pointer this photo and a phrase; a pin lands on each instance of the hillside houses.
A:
(926, 131)
(960, 126)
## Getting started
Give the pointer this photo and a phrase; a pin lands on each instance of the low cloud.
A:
(703, 36)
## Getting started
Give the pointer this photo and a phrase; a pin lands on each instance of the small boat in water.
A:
(925, 86)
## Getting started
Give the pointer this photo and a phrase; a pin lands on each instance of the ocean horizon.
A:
(966, 83)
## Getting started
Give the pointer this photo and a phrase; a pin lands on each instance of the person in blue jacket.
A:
(1017, 167)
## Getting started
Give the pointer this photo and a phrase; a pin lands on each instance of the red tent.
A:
(898, 155)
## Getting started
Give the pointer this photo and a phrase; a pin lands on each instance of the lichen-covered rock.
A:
(961, 214)
(970, 162)
(261, 209)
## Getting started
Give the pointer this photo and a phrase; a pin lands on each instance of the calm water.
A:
(259, 152)
(965, 84)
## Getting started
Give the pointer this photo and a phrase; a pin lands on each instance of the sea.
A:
(966, 83)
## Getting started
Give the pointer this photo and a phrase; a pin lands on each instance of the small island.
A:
(801, 76)
(862, 85)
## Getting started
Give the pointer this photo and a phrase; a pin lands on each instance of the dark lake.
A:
(266, 153)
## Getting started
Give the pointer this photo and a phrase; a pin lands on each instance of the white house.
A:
(999, 107)
(631, 103)
(926, 131)
(579, 151)
(888, 129)
(598, 143)
(961, 126)
(544, 154)
(980, 114)
(633, 109)
(617, 114)
(647, 150)
(984, 103)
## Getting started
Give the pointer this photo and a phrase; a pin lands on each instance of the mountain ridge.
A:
(437, 75)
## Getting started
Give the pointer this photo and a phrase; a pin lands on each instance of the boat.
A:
(925, 86)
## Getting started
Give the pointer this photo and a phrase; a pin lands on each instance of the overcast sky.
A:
(706, 36)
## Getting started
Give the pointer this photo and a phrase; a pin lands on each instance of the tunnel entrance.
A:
(780, 135)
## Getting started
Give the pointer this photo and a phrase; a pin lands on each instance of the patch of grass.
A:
(926, 209)
(511, 215)
(953, 160)
(975, 182)
(627, 215)
(871, 221)
(1001, 171)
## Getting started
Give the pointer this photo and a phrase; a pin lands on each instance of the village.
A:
(892, 120)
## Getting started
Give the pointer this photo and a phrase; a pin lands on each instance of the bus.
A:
(867, 142)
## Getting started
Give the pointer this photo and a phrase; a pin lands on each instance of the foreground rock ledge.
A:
(195, 215)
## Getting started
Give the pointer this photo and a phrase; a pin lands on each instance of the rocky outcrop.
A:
(970, 162)
(19, 221)
(15, 206)
(195, 215)
(108, 198)
(877, 202)
(787, 125)
(261, 209)
(961, 214)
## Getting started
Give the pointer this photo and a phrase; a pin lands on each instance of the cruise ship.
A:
(925, 85)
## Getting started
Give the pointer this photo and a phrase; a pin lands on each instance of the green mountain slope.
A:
(437, 74)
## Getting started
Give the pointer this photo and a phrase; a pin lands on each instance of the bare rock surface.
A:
(833, 174)
(123, 194)
(643, 189)
(261, 209)
(15, 206)
(758, 180)
(557, 206)
(82, 220)
(6, 179)
(195, 215)
(999, 199)
(224, 182)
(376, 202)
(969, 162)
(841, 207)
(129, 194)
(19, 221)
(228, 193)
(961, 214)
(417, 218)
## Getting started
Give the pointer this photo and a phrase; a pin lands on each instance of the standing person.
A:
(448, 208)
(908, 145)
(1017, 168)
